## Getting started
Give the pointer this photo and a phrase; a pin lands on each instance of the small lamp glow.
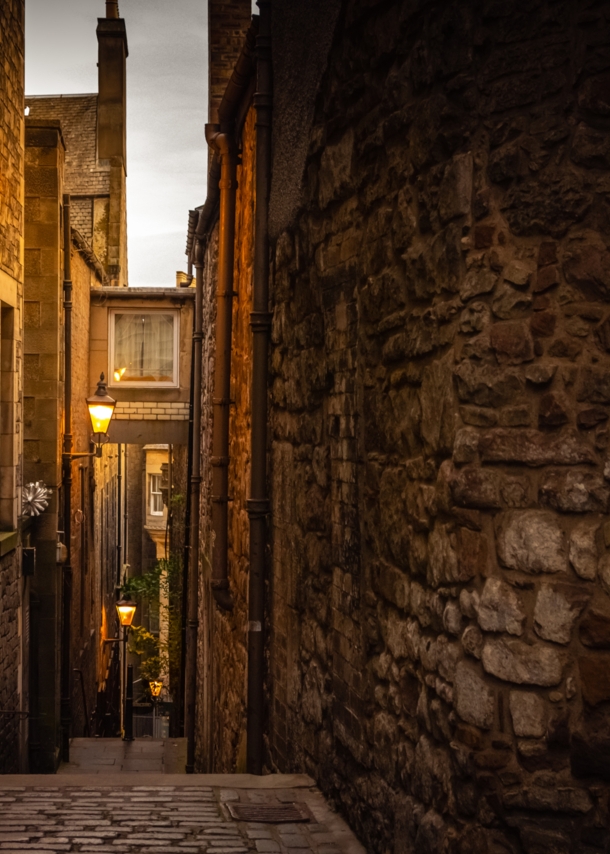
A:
(155, 688)
(126, 610)
(101, 407)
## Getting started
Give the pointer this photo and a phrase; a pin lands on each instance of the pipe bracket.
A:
(219, 461)
(258, 508)
(261, 320)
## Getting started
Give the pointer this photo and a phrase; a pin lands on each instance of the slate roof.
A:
(78, 116)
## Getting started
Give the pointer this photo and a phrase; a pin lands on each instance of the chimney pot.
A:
(112, 8)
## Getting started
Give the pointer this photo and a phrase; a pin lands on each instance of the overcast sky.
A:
(166, 110)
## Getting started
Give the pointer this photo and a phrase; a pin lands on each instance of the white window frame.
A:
(175, 382)
(152, 512)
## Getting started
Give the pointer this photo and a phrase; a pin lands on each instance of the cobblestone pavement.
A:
(73, 813)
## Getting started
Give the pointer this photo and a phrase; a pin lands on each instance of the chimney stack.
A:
(228, 22)
(112, 133)
(112, 53)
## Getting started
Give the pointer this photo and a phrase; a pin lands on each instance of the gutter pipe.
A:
(194, 513)
(221, 138)
(119, 538)
(66, 575)
(221, 196)
(187, 544)
(225, 146)
(260, 322)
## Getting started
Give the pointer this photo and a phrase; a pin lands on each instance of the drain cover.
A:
(270, 813)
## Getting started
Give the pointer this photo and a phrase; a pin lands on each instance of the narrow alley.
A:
(305, 426)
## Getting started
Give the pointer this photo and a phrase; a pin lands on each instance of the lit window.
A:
(156, 498)
(144, 348)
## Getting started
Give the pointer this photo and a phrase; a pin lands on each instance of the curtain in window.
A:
(143, 347)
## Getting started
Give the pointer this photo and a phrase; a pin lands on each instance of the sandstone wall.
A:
(85, 585)
(223, 637)
(14, 613)
(440, 478)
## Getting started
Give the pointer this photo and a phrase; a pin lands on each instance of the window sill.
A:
(9, 540)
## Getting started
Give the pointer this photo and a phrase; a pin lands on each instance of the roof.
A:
(78, 116)
(136, 293)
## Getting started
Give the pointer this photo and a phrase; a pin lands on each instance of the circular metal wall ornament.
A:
(35, 498)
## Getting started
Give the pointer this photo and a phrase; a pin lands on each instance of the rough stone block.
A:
(556, 611)
(583, 553)
(500, 608)
(514, 661)
(531, 541)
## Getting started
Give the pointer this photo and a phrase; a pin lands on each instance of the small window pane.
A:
(144, 348)
(156, 498)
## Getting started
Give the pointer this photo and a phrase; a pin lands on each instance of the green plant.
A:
(161, 589)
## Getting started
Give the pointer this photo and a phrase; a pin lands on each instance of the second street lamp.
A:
(155, 686)
(126, 609)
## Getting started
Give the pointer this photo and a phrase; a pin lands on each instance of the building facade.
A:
(437, 568)
(14, 587)
(75, 203)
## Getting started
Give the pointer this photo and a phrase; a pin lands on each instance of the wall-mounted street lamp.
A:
(101, 408)
(126, 609)
(155, 689)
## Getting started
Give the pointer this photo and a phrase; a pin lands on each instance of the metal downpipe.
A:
(192, 626)
(260, 322)
(66, 573)
(225, 146)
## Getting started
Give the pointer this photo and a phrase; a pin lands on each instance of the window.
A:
(143, 348)
(156, 498)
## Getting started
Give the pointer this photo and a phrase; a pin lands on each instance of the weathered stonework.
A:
(221, 737)
(14, 600)
(439, 406)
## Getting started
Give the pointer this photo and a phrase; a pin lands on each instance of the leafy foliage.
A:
(160, 588)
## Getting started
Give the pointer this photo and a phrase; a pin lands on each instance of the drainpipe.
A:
(195, 483)
(119, 541)
(66, 611)
(125, 511)
(221, 192)
(224, 145)
(187, 547)
(260, 321)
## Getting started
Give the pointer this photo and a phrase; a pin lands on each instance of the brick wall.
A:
(228, 21)
(440, 584)
(13, 649)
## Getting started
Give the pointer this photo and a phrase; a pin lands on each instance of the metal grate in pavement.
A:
(270, 813)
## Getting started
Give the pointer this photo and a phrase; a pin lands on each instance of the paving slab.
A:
(146, 813)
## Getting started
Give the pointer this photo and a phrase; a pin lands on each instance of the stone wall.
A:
(441, 576)
(13, 616)
(43, 421)
(223, 636)
(85, 585)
